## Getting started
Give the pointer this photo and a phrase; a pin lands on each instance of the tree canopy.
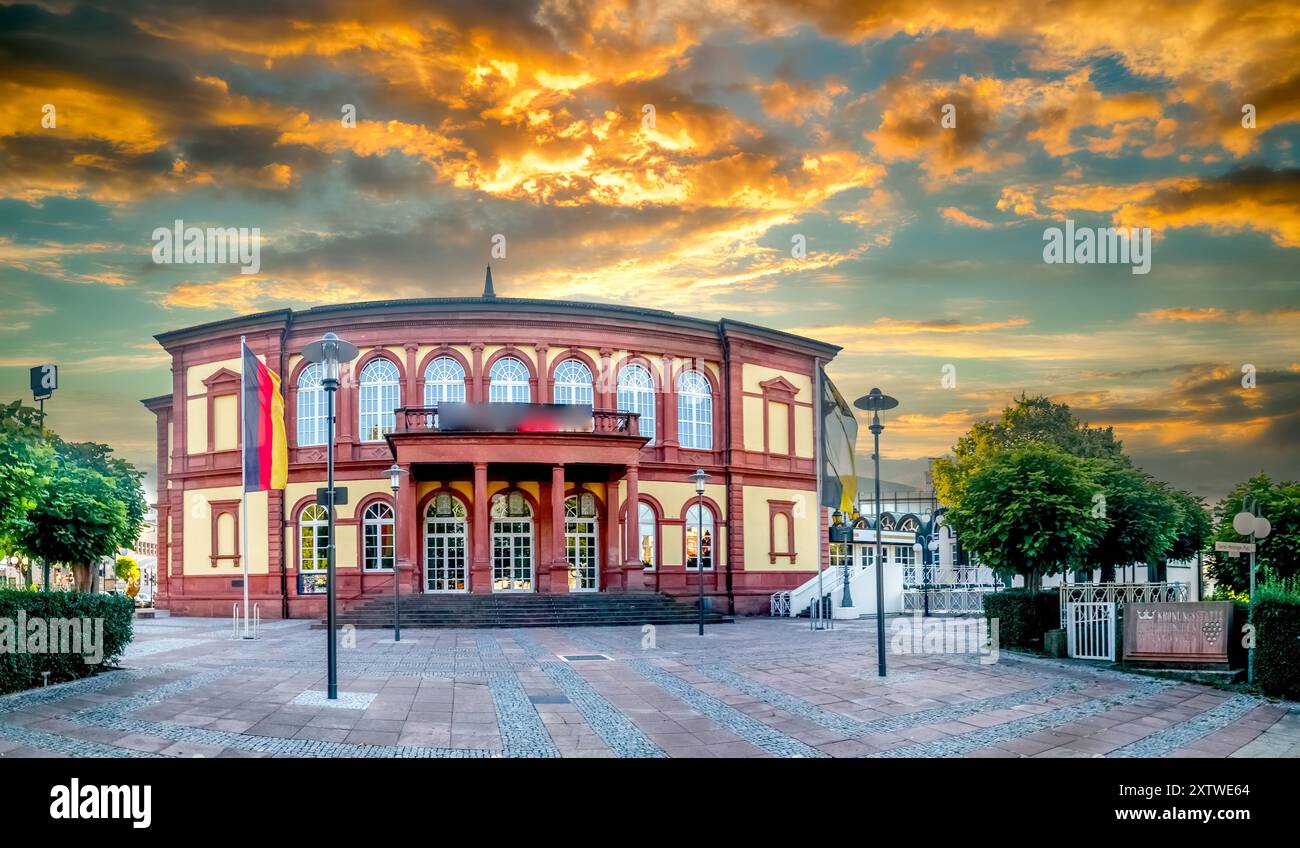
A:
(1277, 555)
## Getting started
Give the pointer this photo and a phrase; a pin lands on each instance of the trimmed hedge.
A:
(1277, 642)
(1023, 616)
(22, 670)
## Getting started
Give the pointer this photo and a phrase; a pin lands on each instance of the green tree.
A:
(1278, 555)
(85, 514)
(1029, 421)
(126, 569)
(1141, 518)
(1029, 511)
(26, 463)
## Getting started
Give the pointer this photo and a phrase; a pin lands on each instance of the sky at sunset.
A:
(771, 121)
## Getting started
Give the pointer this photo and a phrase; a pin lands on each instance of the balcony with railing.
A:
(461, 418)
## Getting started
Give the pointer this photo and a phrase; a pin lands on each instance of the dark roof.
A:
(285, 317)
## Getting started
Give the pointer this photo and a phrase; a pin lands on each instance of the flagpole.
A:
(243, 476)
(820, 460)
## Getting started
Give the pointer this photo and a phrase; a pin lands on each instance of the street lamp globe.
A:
(328, 351)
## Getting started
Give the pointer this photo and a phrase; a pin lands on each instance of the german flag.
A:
(266, 452)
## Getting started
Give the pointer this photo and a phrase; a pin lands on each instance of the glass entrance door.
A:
(445, 563)
(582, 545)
(512, 544)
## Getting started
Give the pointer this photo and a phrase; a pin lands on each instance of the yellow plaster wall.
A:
(225, 427)
(758, 541)
(778, 428)
(196, 425)
(752, 411)
(198, 531)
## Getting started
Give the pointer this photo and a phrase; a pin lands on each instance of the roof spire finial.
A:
(488, 293)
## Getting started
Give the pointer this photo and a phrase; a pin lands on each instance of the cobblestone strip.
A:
(617, 731)
(750, 729)
(16, 701)
(954, 746)
(523, 733)
(68, 746)
(1185, 733)
(854, 727)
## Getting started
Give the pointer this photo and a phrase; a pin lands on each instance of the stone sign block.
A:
(1198, 633)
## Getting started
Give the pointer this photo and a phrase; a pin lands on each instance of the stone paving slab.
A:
(759, 687)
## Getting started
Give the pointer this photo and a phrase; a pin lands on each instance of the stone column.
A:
(556, 557)
(613, 551)
(633, 571)
(409, 396)
(543, 375)
(408, 532)
(478, 395)
(480, 577)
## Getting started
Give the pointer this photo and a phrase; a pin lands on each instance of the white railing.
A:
(947, 598)
(780, 604)
(1120, 594)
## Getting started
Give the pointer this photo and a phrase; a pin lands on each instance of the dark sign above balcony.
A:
(514, 418)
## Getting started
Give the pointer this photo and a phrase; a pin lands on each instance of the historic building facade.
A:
(547, 447)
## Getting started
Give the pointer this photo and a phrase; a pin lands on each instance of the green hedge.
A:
(1277, 642)
(1023, 616)
(23, 670)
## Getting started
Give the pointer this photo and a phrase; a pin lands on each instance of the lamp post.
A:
(1250, 523)
(846, 600)
(700, 479)
(930, 547)
(873, 402)
(395, 473)
(327, 352)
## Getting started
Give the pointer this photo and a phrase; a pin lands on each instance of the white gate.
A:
(1090, 630)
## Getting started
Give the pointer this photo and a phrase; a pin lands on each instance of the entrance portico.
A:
(485, 511)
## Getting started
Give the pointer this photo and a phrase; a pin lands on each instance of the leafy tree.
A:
(1193, 525)
(1141, 518)
(127, 569)
(1029, 511)
(1277, 555)
(1029, 421)
(25, 465)
(82, 517)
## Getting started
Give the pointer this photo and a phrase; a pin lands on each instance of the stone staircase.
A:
(525, 610)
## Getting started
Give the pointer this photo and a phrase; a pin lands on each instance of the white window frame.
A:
(313, 517)
(379, 394)
(508, 381)
(636, 393)
(444, 382)
(313, 407)
(373, 522)
(647, 525)
(573, 383)
(692, 528)
(694, 411)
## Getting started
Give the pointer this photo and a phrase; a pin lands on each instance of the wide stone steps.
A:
(524, 610)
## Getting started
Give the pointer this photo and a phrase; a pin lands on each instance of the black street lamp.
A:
(700, 479)
(395, 473)
(328, 352)
(846, 600)
(873, 402)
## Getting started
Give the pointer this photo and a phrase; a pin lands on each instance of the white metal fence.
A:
(1121, 594)
(947, 599)
(1090, 630)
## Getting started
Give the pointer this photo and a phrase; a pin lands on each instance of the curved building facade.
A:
(547, 447)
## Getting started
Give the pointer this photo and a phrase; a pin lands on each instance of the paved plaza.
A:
(759, 687)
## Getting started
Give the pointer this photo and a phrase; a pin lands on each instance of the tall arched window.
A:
(312, 549)
(444, 381)
(636, 393)
(311, 407)
(646, 527)
(694, 411)
(573, 383)
(695, 550)
(378, 542)
(509, 381)
(380, 395)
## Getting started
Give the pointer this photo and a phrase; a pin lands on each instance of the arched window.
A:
(573, 383)
(380, 395)
(378, 542)
(312, 549)
(647, 535)
(636, 393)
(312, 407)
(694, 411)
(695, 550)
(444, 381)
(509, 381)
